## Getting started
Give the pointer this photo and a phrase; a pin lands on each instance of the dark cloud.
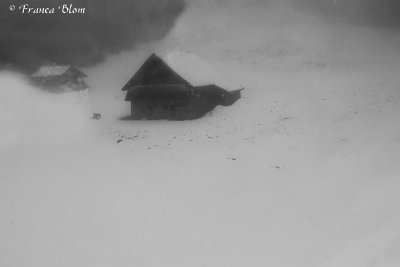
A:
(108, 26)
(381, 13)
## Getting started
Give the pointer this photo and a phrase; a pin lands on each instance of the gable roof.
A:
(155, 71)
(76, 72)
(55, 70)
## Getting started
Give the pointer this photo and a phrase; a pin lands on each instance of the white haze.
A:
(302, 171)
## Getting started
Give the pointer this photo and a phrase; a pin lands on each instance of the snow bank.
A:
(28, 114)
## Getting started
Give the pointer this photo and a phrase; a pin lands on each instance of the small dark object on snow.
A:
(119, 141)
(157, 92)
(96, 116)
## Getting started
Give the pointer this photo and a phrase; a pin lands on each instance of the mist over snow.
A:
(29, 114)
(301, 171)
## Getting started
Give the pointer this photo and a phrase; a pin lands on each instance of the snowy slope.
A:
(302, 171)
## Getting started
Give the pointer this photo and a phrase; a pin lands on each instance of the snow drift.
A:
(28, 114)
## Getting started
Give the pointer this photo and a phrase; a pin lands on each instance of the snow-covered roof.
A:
(50, 70)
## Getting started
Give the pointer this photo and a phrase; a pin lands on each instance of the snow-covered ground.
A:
(302, 171)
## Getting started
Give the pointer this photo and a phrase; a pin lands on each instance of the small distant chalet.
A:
(157, 92)
(59, 78)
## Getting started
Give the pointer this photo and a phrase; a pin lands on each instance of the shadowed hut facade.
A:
(59, 78)
(157, 92)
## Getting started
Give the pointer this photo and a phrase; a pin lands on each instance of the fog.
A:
(339, 30)
(28, 114)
